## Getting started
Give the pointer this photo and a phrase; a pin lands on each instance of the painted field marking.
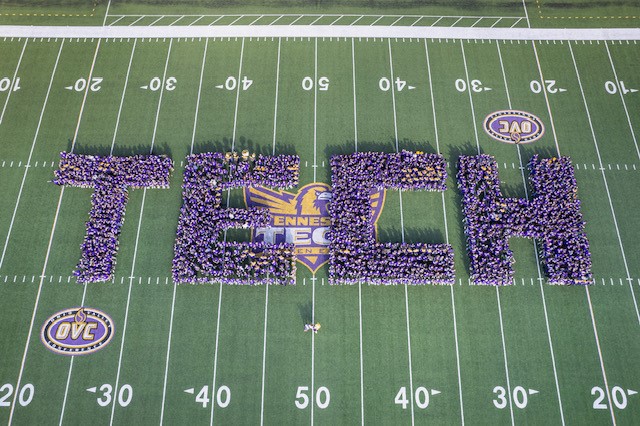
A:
(446, 232)
(124, 90)
(406, 292)
(475, 129)
(12, 86)
(135, 248)
(606, 185)
(535, 248)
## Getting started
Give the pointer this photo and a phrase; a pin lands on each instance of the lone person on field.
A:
(312, 327)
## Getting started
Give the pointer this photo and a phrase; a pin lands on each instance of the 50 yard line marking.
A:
(355, 141)
(535, 249)
(53, 228)
(446, 233)
(135, 248)
(315, 171)
(35, 307)
(13, 80)
(266, 294)
(406, 292)
(475, 129)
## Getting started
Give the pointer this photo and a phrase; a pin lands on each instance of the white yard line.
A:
(33, 144)
(526, 13)
(163, 31)
(475, 129)
(233, 144)
(406, 292)
(135, 248)
(606, 185)
(546, 97)
(53, 228)
(84, 98)
(13, 81)
(604, 373)
(266, 296)
(446, 232)
(106, 14)
(166, 365)
(624, 102)
(124, 90)
(195, 118)
(66, 388)
(355, 141)
(535, 248)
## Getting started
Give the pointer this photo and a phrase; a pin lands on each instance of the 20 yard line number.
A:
(322, 400)
(618, 397)
(25, 396)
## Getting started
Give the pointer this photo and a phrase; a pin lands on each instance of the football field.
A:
(199, 354)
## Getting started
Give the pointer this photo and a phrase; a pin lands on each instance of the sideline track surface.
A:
(323, 31)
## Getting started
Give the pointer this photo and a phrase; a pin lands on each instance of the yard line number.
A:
(618, 397)
(384, 84)
(475, 85)
(610, 86)
(322, 400)
(9, 84)
(421, 397)
(156, 83)
(95, 84)
(231, 83)
(125, 394)
(550, 85)
(25, 396)
(520, 397)
(308, 83)
(222, 397)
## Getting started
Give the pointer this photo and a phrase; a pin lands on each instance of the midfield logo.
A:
(301, 219)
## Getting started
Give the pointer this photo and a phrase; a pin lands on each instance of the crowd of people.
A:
(110, 177)
(201, 252)
(552, 217)
(355, 255)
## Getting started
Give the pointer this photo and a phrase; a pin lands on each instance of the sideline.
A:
(322, 31)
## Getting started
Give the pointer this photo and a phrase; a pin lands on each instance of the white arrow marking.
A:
(631, 392)
(69, 87)
(144, 87)
(411, 87)
(92, 390)
(190, 391)
(562, 90)
(219, 86)
(487, 88)
(533, 391)
(435, 392)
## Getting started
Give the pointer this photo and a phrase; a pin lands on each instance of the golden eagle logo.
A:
(301, 219)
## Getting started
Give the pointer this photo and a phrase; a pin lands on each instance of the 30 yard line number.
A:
(25, 396)
(519, 394)
(124, 397)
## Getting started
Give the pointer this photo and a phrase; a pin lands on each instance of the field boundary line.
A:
(135, 248)
(468, 33)
(13, 80)
(446, 230)
(535, 247)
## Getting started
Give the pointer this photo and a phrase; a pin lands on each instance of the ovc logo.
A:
(77, 331)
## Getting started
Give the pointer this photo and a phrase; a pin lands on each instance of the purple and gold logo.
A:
(513, 126)
(77, 331)
(301, 219)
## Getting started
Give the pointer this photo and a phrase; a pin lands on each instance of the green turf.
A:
(231, 319)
